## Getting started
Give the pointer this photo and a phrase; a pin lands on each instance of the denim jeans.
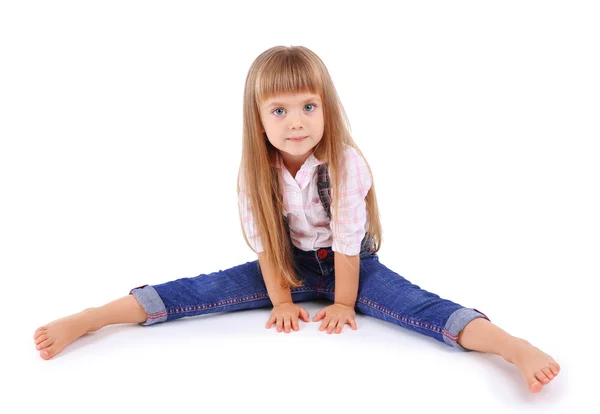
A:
(382, 293)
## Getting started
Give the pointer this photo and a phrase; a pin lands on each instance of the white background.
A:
(120, 128)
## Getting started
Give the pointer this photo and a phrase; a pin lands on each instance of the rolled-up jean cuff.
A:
(147, 296)
(457, 322)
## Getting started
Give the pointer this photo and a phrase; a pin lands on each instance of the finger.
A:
(332, 325)
(318, 316)
(305, 315)
(353, 324)
(325, 323)
(295, 324)
(339, 328)
(271, 321)
(287, 323)
(279, 324)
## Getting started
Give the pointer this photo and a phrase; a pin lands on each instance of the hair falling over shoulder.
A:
(293, 69)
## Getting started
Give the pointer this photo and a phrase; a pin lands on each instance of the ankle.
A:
(510, 352)
(91, 319)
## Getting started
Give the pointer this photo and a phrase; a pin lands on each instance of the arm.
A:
(346, 278)
(350, 229)
(277, 294)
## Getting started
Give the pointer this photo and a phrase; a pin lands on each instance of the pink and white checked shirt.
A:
(308, 221)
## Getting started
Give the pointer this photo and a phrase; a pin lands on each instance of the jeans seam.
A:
(321, 276)
(410, 321)
(231, 301)
(152, 316)
(454, 338)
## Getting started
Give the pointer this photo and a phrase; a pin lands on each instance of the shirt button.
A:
(322, 253)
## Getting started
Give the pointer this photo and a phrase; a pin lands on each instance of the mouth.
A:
(297, 139)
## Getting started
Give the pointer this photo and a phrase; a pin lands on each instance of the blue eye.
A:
(278, 109)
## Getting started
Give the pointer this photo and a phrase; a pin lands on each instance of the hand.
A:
(286, 314)
(336, 315)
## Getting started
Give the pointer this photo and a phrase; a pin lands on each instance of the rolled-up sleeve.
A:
(352, 215)
(248, 221)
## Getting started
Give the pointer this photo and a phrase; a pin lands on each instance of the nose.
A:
(295, 126)
(295, 123)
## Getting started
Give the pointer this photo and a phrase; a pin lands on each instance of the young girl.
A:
(308, 209)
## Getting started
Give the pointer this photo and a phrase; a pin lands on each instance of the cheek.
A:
(271, 124)
(320, 121)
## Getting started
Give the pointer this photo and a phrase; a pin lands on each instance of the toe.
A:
(47, 353)
(39, 331)
(542, 377)
(52, 351)
(41, 338)
(535, 386)
(44, 344)
(548, 373)
(556, 366)
(532, 382)
(554, 370)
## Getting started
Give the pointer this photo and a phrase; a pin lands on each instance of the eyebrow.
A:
(313, 98)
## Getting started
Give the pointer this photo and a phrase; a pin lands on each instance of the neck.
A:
(294, 162)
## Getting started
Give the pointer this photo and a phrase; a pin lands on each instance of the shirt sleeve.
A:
(248, 221)
(352, 211)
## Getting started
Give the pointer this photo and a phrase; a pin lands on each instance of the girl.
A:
(308, 209)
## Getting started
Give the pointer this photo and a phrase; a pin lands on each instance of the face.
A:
(289, 116)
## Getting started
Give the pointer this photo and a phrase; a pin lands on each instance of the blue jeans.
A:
(382, 293)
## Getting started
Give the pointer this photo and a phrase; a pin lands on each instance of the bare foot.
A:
(537, 367)
(55, 336)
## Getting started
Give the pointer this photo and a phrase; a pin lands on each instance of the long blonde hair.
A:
(293, 69)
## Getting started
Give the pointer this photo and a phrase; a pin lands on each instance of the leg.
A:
(537, 368)
(53, 337)
(238, 288)
(241, 287)
(386, 295)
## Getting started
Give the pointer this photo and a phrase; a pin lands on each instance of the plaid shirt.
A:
(307, 219)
